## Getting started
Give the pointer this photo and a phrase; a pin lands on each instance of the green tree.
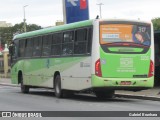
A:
(156, 23)
(32, 27)
(7, 33)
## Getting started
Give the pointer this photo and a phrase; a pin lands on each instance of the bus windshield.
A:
(125, 33)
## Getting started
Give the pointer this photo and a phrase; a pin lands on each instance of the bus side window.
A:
(28, 47)
(56, 44)
(46, 49)
(37, 47)
(21, 50)
(80, 45)
(67, 45)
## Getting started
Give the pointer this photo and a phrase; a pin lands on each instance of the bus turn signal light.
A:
(151, 69)
(98, 71)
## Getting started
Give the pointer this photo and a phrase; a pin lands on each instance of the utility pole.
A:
(100, 9)
(24, 20)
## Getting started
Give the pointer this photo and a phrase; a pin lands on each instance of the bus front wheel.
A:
(57, 87)
(24, 88)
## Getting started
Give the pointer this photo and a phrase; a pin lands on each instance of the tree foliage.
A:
(156, 23)
(7, 33)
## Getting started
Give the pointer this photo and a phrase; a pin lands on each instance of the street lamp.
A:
(24, 18)
(100, 9)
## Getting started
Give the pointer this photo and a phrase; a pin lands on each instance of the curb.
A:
(141, 97)
(6, 84)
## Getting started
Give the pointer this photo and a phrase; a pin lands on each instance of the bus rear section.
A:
(125, 60)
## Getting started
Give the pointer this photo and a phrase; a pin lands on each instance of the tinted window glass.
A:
(16, 48)
(46, 45)
(37, 46)
(28, 48)
(56, 44)
(68, 37)
(67, 46)
(21, 48)
(89, 41)
(57, 38)
(80, 45)
(81, 35)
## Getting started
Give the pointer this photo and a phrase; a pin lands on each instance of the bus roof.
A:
(54, 29)
(67, 27)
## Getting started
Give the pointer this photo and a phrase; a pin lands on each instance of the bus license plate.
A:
(126, 83)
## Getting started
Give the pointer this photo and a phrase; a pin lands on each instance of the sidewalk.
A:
(6, 82)
(150, 94)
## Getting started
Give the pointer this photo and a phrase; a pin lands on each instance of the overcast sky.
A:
(47, 12)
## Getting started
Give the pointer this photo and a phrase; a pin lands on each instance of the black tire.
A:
(24, 88)
(105, 94)
(57, 87)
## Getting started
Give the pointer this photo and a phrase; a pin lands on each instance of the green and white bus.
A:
(98, 55)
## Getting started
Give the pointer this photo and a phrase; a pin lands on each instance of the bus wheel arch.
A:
(19, 76)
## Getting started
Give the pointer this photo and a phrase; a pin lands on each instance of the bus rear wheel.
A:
(57, 87)
(24, 88)
(105, 94)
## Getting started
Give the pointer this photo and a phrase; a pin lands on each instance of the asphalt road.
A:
(11, 99)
